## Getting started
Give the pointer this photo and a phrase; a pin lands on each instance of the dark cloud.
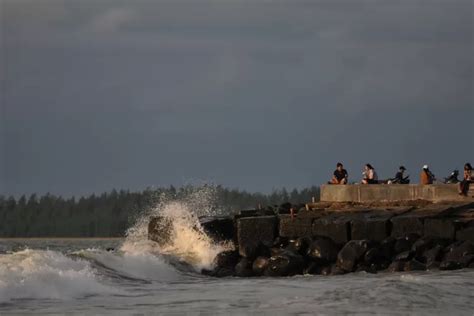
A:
(256, 95)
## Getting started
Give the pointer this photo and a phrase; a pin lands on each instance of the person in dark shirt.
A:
(400, 178)
(453, 178)
(340, 175)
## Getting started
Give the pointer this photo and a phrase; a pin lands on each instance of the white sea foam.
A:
(46, 274)
(188, 242)
(139, 263)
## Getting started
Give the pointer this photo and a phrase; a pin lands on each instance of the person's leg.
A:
(464, 187)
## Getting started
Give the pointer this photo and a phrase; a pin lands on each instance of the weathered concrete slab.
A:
(255, 231)
(389, 192)
(375, 224)
(437, 217)
(335, 226)
(444, 228)
(294, 227)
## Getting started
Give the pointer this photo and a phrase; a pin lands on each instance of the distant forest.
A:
(111, 214)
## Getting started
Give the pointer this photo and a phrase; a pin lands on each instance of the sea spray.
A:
(188, 242)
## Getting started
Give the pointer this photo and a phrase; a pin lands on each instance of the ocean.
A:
(134, 276)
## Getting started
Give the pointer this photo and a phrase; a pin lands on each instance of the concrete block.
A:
(465, 234)
(295, 227)
(255, 231)
(334, 226)
(404, 225)
(339, 193)
(370, 193)
(444, 228)
(375, 228)
(392, 192)
(413, 221)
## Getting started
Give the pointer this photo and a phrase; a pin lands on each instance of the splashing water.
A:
(46, 274)
(189, 243)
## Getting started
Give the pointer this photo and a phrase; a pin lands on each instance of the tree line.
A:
(111, 214)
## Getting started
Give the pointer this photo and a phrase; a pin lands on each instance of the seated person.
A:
(467, 180)
(369, 175)
(426, 176)
(399, 177)
(340, 175)
(453, 177)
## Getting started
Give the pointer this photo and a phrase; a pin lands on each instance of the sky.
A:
(255, 95)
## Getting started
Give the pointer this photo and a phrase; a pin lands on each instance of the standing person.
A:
(340, 175)
(370, 176)
(426, 176)
(466, 181)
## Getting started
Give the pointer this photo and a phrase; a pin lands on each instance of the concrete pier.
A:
(392, 192)
(369, 227)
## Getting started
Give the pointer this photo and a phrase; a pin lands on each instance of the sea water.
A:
(135, 276)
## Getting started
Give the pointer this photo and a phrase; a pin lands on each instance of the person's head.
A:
(339, 166)
(402, 169)
(369, 167)
(467, 166)
(426, 168)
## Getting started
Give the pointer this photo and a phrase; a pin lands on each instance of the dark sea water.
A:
(79, 276)
(135, 276)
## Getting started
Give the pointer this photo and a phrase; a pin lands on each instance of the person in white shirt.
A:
(370, 176)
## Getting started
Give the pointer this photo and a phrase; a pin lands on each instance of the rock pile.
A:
(320, 255)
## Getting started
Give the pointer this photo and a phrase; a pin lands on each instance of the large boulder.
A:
(414, 265)
(455, 255)
(285, 264)
(396, 266)
(351, 254)
(226, 259)
(260, 265)
(375, 256)
(323, 251)
(405, 243)
(244, 268)
(457, 250)
(254, 232)
(432, 256)
(387, 247)
(160, 230)
(299, 245)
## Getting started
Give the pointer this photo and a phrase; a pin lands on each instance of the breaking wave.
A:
(188, 243)
(48, 274)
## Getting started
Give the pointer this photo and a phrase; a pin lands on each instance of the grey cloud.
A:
(255, 95)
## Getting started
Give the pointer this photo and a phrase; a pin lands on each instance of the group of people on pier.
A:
(369, 176)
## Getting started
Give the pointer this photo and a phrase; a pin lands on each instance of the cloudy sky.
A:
(257, 95)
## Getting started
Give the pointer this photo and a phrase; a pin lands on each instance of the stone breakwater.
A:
(337, 238)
